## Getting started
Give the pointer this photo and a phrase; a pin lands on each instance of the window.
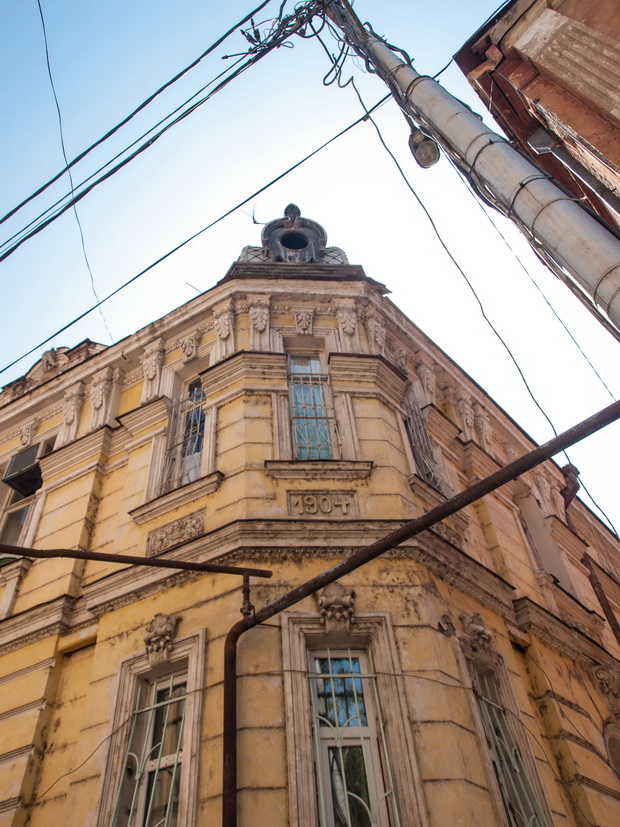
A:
(351, 756)
(148, 794)
(518, 794)
(183, 460)
(151, 771)
(21, 480)
(312, 417)
(350, 784)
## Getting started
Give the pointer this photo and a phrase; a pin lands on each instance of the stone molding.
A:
(532, 618)
(146, 417)
(177, 498)
(256, 370)
(370, 372)
(47, 620)
(94, 447)
(319, 469)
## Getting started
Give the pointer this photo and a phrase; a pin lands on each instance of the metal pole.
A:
(126, 559)
(599, 591)
(365, 555)
(577, 241)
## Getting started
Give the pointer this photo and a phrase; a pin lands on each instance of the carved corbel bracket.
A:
(336, 603)
(607, 678)
(477, 641)
(159, 638)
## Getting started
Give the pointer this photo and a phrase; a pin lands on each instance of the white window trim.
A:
(189, 654)
(494, 662)
(373, 633)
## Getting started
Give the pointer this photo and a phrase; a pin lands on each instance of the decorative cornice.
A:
(147, 416)
(35, 624)
(176, 499)
(94, 447)
(257, 369)
(532, 618)
(354, 371)
(318, 469)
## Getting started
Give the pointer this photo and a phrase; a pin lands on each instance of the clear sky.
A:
(107, 57)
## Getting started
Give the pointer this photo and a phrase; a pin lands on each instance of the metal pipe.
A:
(365, 555)
(155, 562)
(577, 241)
(599, 591)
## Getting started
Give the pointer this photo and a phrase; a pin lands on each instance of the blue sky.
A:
(107, 57)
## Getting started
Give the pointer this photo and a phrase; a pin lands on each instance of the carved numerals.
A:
(322, 504)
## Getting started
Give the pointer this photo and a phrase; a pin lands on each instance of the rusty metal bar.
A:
(365, 555)
(155, 562)
(599, 591)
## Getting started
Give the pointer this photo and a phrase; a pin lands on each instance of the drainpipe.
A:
(360, 558)
(599, 591)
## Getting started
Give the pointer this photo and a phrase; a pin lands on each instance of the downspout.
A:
(599, 591)
(365, 555)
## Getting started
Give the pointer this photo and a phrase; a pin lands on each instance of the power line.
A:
(137, 110)
(288, 26)
(64, 155)
(195, 235)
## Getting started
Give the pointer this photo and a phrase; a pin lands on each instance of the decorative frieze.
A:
(152, 362)
(180, 531)
(323, 505)
(336, 604)
(159, 638)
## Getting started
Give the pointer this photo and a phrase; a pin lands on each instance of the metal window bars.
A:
(517, 791)
(312, 416)
(182, 462)
(354, 780)
(148, 792)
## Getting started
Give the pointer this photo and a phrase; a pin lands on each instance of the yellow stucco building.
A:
(280, 421)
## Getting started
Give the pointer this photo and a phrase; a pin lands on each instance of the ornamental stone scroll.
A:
(71, 410)
(152, 362)
(224, 324)
(258, 310)
(104, 395)
(346, 314)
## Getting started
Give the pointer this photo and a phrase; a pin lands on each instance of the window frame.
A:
(305, 633)
(492, 663)
(326, 421)
(184, 414)
(189, 656)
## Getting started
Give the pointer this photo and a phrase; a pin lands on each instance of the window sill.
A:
(179, 497)
(318, 469)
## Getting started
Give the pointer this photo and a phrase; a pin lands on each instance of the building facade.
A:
(281, 420)
(549, 71)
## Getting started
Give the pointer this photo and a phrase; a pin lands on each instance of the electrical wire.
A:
(64, 155)
(139, 108)
(459, 165)
(193, 236)
(288, 27)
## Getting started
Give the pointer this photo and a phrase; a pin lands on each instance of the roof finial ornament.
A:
(293, 213)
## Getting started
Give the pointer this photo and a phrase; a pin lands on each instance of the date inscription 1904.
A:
(322, 504)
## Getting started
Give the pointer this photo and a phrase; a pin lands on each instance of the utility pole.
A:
(555, 224)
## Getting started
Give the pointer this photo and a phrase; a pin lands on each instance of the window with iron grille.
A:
(148, 793)
(354, 783)
(312, 417)
(183, 460)
(518, 793)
